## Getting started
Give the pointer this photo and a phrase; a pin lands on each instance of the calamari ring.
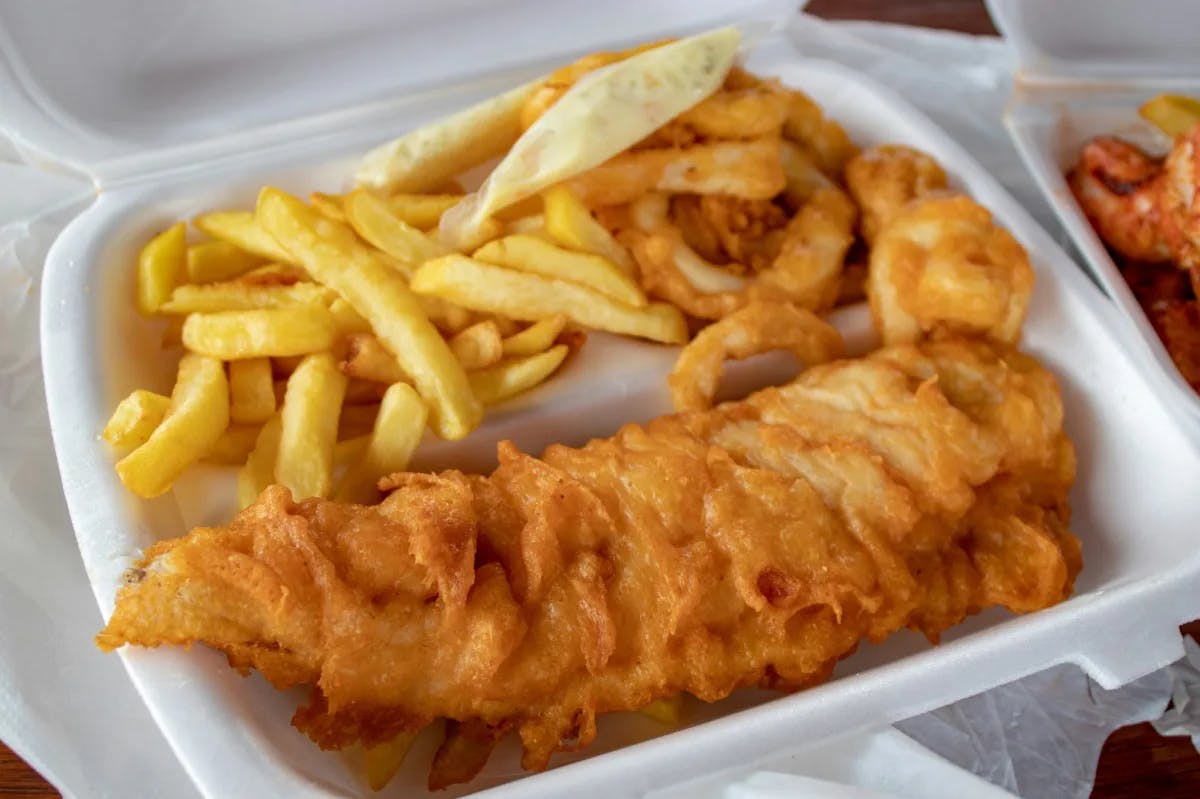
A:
(758, 327)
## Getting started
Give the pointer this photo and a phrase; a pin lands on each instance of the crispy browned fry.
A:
(750, 169)
(367, 359)
(752, 544)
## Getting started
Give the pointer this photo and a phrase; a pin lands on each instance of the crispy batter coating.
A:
(752, 544)
(884, 180)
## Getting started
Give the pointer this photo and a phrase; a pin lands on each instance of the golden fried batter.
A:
(752, 544)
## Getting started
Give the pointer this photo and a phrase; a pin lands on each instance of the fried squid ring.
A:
(757, 328)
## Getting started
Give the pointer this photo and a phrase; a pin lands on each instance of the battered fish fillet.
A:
(752, 544)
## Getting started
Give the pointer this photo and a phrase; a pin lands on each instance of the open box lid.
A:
(126, 87)
(1108, 41)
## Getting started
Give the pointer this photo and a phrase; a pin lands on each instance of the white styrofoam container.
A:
(1077, 81)
(154, 161)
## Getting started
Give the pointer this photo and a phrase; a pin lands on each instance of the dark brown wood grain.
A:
(1136, 761)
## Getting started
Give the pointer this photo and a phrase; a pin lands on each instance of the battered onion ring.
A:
(758, 327)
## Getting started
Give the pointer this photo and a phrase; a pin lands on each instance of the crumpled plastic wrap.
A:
(73, 712)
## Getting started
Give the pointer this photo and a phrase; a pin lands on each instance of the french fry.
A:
(198, 415)
(346, 320)
(331, 253)
(532, 225)
(356, 420)
(230, 335)
(421, 210)
(367, 359)
(446, 316)
(135, 418)
(240, 229)
(519, 295)
(364, 392)
(328, 204)
(540, 257)
(234, 445)
(259, 471)
(161, 267)
(1173, 114)
(235, 296)
(478, 346)
(348, 450)
(382, 761)
(668, 710)
(309, 421)
(273, 275)
(509, 378)
(571, 224)
(211, 261)
(536, 338)
(374, 221)
(397, 432)
(251, 393)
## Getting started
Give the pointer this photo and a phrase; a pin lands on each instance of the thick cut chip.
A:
(309, 423)
(571, 224)
(367, 359)
(240, 229)
(251, 391)
(238, 296)
(259, 471)
(161, 267)
(333, 255)
(540, 257)
(328, 204)
(135, 418)
(398, 430)
(234, 445)
(382, 761)
(230, 335)
(198, 415)
(509, 378)
(478, 346)
(536, 338)
(374, 221)
(519, 295)
(211, 261)
(421, 210)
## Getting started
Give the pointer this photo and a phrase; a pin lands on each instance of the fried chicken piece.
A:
(752, 544)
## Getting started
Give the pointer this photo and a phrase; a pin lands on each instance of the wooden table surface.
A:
(1136, 761)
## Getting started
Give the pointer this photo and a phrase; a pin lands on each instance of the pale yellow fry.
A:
(367, 359)
(374, 221)
(259, 471)
(273, 275)
(331, 254)
(237, 296)
(240, 229)
(1173, 114)
(571, 224)
(421, 210)
(398, 430)
(198, 415)
(230, 335)
(382, 761)
(161, 267)
(519, 295)
(135, 418)
(347, 451)
(536, 338)
(540, 257)
(211, 261)
(328, 204)
(509, 378)
(478, 346)
(234, 445)
(309, 420)
(251, 391)
(346, 320)
(668, 710)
